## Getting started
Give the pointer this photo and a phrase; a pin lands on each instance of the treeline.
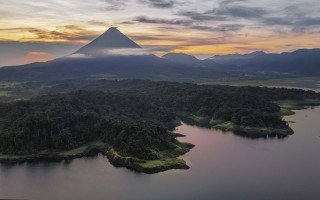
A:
(132, 116)
(247, 106)
(66, 121)
(152, 87)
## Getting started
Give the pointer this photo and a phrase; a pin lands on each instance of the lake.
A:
(223, 166)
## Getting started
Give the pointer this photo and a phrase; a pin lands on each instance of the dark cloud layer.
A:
(115, 4)
(293, 17)
(233, 14)
(226, 12)
(144, 19)
(121, 4)
(161, 3)
(189, 24)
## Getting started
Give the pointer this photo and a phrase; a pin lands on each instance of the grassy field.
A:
(310, 83)
(252, 132)
(288, 106)
(10, 91)
(168, 159)
(5, 93)
(87, 149)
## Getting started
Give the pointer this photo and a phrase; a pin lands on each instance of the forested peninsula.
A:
(132, 121)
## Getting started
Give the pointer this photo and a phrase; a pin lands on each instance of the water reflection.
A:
(223, 166)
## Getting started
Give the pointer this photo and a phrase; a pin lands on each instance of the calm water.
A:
(223, 166)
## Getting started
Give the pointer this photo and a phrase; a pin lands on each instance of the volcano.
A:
(110, 40)
(112, 54)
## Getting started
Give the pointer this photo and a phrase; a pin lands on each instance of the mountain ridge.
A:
(113, 55)
(298, 62)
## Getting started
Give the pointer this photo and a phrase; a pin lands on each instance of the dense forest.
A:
(247, 106)
(132, 116)
(69, 120)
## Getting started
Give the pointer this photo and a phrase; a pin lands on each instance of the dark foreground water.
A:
(223, 166)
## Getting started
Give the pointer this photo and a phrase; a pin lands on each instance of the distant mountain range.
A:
(300, 62)
(114, 55)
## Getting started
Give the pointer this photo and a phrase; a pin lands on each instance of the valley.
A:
(306, 83)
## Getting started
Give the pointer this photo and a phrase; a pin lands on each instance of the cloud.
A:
(141, 37)
(146, 50)
(224, 23)
(297, 24)
(230, 27)
(70, 33)
(144, 19)
(246, 12)
(185, 23)
(154, 49)
(99, 23)
(113, 5)
(296, 17)
(202, 16)
(31, 57)
(78, 55)
(160, 3)
(127, 52)
(190, 24)
(226, 12)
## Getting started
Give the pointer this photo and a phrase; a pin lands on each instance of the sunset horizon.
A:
(45, 30)
(159, 99)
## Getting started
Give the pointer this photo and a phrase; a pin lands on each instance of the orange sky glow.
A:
(203, 29)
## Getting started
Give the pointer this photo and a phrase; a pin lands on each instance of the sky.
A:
(34, 30)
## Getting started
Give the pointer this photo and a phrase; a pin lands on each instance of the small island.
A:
(132, 121)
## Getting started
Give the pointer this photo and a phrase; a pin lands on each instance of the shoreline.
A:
(287, 109)
(169, 159)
